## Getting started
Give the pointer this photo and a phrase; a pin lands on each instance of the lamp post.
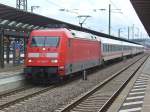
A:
(109, 16)
(138, 32)
(119, 32)
(109, 20)
(34, 7)
(133, 32)
(128, 32)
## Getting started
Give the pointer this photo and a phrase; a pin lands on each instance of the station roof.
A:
(12, 17)
(142, 8)
(19, 20)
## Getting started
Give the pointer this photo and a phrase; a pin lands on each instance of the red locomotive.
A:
(55, 53)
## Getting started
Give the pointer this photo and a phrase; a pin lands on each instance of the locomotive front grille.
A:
(49, 70)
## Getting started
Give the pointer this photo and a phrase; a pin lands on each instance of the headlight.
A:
(29, 60)
(54, 61)
(44, 49)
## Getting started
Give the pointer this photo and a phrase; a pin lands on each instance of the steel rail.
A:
(96, 88)
(18, 100)
(114, 96)
(13, 91)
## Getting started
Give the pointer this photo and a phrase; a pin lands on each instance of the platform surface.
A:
(136, 95)
(146, 104)
(10, 69)
(11, 77)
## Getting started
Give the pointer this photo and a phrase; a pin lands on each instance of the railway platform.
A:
(10, 69)
(10, 76)
(136, 95)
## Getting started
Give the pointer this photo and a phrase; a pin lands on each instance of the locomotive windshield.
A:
(44, 41)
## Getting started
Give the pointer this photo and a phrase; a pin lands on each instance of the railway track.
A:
(13, 91)
(18, 95)
(21, 94)
(102, 96)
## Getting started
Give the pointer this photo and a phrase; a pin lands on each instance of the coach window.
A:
(115, 47)
(112, 47)
(107, 47)
(103, 47)
(120, 48)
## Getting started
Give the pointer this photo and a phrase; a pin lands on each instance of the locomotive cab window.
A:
(44, 41)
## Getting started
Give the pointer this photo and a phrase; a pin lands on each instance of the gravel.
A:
(62, 95)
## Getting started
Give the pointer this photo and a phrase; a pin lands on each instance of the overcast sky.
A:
(122, 19)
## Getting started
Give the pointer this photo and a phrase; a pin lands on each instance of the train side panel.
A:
(82, 54)
(111, 51)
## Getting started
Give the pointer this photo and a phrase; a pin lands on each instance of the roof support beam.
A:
(1, 48)
(142, 8)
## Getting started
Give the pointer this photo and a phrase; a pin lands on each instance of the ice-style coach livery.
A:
(56, 53)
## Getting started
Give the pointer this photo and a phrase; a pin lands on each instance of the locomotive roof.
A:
(85, 35)
(80, 34)
(102, 39)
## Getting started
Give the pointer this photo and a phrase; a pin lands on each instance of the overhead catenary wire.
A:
(55, 4)
(124, 19)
